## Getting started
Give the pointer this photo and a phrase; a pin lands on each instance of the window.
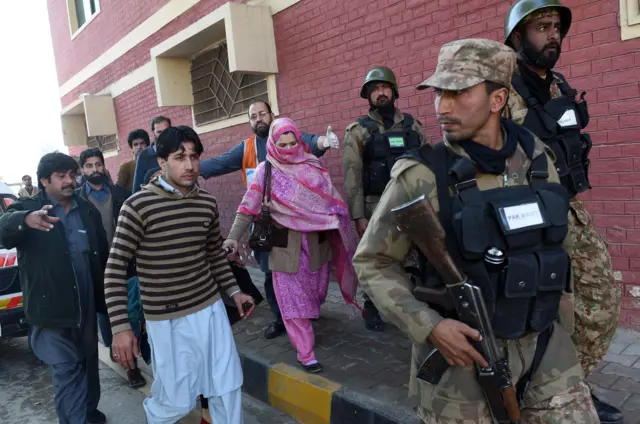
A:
(106, 143)
(629, 19)
(81, 12)
(220, 94)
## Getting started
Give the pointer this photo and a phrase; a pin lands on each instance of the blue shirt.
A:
(51, 344)
(100, 195)
(231, 161)
(78, 241)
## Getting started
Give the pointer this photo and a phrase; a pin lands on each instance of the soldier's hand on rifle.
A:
(361, 226)
(450, 337)
(329, 141)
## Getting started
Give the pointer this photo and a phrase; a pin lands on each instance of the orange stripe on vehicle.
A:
(14, 302)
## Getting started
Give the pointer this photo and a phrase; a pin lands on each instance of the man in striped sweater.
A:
(172, 229)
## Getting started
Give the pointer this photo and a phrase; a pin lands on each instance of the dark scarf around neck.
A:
(493, 161)
(540, 88)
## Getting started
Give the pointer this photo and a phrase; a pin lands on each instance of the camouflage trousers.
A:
(573, 406)
(596, 295)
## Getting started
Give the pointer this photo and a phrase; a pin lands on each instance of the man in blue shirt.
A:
(246, 156)
(147, 161)
(62, 252)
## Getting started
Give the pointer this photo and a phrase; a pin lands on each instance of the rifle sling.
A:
(541, 348)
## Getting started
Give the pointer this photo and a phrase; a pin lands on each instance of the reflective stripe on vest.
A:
(249, 160)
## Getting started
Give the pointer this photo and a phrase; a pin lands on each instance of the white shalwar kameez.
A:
(194, 355)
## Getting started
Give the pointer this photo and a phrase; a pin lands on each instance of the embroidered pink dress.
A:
(304, 199)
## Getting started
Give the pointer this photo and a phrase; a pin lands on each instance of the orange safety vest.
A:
(249, 160)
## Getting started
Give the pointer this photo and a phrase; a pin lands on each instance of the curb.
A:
(313, 399)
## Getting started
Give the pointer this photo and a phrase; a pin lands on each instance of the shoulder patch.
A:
(352, 125)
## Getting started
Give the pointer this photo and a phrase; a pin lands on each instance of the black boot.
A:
(608, 414)
(96, 417)
(372, 319)
(274, 330)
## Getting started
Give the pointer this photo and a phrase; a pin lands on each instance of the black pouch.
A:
(556, 205)
(518, 288)
(554, 271)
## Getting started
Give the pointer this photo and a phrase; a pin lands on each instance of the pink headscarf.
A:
(304, 199)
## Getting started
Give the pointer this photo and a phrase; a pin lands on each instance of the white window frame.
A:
(74, 26)
(629, 19)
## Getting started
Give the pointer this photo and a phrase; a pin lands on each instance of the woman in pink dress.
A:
(317, 236)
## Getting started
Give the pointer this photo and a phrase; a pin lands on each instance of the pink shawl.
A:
(304, 199)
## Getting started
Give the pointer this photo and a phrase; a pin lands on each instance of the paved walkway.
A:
(376, 365)
(618, 375)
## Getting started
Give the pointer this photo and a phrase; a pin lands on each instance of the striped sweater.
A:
(178, 249)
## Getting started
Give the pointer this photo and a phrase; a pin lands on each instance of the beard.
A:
(96, 178)
(261, 130)
(539, 58)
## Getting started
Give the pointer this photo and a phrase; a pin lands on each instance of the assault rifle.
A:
(419, 221)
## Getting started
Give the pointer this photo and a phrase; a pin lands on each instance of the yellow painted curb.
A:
(303, 396)
(194, 416)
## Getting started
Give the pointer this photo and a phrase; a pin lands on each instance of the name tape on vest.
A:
(522, 216)
(396, 141)
(568, 119)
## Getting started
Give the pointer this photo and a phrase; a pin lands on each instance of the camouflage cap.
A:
(465, 63)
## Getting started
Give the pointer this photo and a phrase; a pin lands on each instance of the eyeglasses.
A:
(261, 115)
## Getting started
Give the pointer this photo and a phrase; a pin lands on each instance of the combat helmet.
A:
(523, 8)
(380, 74)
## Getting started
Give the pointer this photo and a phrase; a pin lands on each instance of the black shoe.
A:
(274, 330)
(372, 319)
(96, 417)
(313, 368)
(608, 414)
(135, 378)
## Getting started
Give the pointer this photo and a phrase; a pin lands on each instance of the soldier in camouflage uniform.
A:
(504, 161)
(371, 146)
(542, 101)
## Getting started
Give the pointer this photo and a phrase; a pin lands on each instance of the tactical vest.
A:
(528, 223)
(381, 150)
(559, 123)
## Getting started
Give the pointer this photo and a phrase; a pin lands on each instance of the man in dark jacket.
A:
(147, 160)
(62, 253)
(108, 199)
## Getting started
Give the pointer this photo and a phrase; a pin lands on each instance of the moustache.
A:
(66, 187)
(552, 44)
(443, 120)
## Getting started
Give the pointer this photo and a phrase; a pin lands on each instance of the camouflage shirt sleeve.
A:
(352, 170)
(379, 263)
(516, 108)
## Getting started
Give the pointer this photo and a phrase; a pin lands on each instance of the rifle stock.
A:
(420, 222)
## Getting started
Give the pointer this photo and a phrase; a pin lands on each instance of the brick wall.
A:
(325, 48)
(116, 19)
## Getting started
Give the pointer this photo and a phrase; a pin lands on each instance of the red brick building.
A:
(121, 62)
